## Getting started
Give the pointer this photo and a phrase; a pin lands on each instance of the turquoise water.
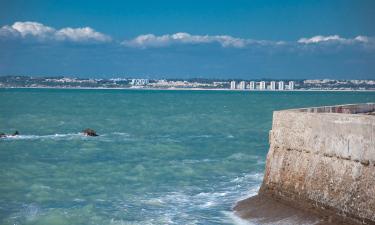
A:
(162, 157)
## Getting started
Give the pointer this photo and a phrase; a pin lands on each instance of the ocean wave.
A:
(67, 136)
(157, 219)
(31, 211)
(107, 137)
(257, 177)
(119, 134)
(28, 213)
(182, 206)
(227, 192)
(51, 136)
(242, 157)
(200, 136)
(193, 161)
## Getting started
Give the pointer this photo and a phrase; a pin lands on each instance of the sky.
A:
(288, 39)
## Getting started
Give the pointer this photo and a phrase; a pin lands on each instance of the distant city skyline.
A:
(185, 39)
(187, 84)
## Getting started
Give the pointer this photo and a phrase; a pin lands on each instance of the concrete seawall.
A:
(320, 168)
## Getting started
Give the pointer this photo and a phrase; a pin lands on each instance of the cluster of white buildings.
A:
(178, 84)
(139, 82)
(262, 85)
(70, 80)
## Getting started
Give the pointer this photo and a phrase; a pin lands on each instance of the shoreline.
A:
(186, 89)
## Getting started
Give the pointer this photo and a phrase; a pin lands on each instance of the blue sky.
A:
(214, 39)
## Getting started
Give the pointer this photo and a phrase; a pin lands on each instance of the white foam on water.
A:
(28, 212)
(208, 204)
(192, 161)
(248, 177)
(209, 199)
(247, 185)
(242, 157)
(51, 136)
(79, 200)
(188, 201)
(68, 136)
(118, 134)
(200, 136)
(249, 193)
(32, 212)
(154, 202)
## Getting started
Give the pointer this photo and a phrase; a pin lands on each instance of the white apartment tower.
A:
(291, 85)
(233, 84)
(252, 85)
(242, 85)
(262, 85)
(281, 85)
(273, 85)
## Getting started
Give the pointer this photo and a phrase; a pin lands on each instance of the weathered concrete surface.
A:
(266, 210)
(323, 160)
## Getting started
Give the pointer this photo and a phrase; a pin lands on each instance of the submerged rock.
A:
(2, 135)
(90, 132)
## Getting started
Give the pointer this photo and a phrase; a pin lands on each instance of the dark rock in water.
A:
(90, 132)
(2, 135)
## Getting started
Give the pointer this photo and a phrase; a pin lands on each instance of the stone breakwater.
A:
(320, 168)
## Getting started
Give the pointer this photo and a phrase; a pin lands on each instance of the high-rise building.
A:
(233, 84)
(291, 85)
(242, 85)
(262, 85)
(273, 85)
(281, 85)
(252, 85)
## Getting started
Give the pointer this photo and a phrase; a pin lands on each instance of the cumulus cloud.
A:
(40, 32)
(44, 33)
(81, 34)
(334, 39)
(151, 40)
(32, 29)
(9, 32)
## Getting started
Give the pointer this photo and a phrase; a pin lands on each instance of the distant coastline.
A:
(193, 89)
(199, 84)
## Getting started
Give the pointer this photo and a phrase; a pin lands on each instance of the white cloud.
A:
(333, 39)
(151, 40)
(81, 35)
(363, 39)
(227, 41)
(33, 29)
(8, 32)
(43, 33)
(40, 32)
(319, 38)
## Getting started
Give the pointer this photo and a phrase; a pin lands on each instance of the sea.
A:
(161, 157)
